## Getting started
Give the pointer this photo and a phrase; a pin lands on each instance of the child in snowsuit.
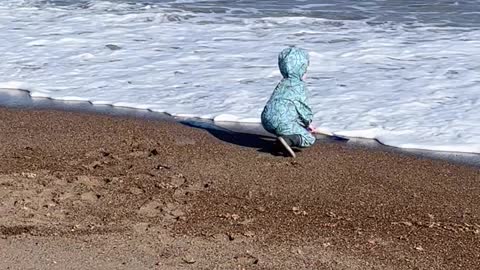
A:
(287, 114)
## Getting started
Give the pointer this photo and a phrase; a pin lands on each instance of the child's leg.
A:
(292, 140)
(293, 133)
(307, 139)
(301, 138)
(304, 139)
(295, 140)
(286, 141)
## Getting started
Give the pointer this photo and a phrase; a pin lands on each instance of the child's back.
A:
(287, 113)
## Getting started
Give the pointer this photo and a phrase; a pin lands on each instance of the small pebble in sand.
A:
(249, 234)
(189, 260)
(177, 213)
(178, 180)
(89, 197)
(29, 175)
(136, 190)
(297, 211)
(246, 221)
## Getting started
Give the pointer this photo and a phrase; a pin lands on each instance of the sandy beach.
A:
(87, 191)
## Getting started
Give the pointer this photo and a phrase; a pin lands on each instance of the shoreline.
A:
(85, 190)
(21, 99)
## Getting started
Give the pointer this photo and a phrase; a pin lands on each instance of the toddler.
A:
(287, 114)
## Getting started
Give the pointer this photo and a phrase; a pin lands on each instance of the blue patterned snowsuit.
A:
(287, 112)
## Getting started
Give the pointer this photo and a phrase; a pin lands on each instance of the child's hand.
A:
(326, 132)
(311, 129)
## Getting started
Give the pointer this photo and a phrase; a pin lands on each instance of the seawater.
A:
(402, 72)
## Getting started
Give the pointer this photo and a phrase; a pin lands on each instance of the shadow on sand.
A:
(262, 143)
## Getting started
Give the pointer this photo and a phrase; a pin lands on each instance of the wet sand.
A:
(89, 191)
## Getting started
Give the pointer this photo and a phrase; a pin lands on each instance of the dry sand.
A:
(83, 191)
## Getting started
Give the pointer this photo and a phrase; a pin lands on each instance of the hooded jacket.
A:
(287, 111)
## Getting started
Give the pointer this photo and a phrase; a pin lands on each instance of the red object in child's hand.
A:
(311, 129)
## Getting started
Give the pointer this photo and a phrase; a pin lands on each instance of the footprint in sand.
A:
(150, 209)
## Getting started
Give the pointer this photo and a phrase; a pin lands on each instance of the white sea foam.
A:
(415, 86)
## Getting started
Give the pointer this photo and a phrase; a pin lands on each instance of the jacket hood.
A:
(293, 62)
